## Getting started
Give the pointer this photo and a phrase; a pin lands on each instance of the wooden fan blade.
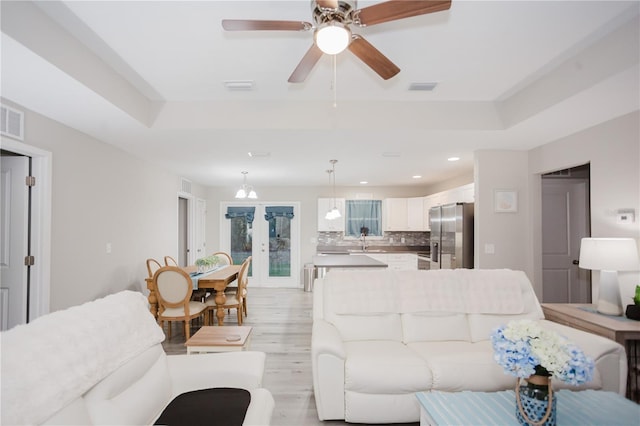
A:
(258, 25)
(328, 4)
(373, 57)
(305, 66)
(399, 9)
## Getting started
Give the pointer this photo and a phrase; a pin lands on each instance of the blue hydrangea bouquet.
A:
(523, 349)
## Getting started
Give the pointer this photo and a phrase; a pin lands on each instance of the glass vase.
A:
(536, 402)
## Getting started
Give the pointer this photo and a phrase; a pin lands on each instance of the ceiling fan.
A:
(332, 33)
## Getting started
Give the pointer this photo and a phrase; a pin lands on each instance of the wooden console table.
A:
(621, 329)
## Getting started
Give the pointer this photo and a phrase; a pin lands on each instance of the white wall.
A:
(613, 151)
(101, 195)
(506, 232)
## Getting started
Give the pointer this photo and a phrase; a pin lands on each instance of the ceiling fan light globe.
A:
(252, 195)
(333, 38)
(241, 193)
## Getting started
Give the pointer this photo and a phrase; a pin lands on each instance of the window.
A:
(363, 214)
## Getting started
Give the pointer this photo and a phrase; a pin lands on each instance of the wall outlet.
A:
(108, 248)
(489, 248)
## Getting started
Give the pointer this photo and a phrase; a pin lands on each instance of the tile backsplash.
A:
(394, 238)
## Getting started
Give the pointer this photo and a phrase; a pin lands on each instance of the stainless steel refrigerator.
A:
(451, 236)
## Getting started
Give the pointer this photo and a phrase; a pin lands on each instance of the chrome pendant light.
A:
(334, 213)
(246, 191)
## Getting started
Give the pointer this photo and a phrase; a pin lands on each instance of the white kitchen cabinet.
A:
(403, 214)
(402, 261)
(395, 261)
(395, 216)
(326, 225)
(415, 214)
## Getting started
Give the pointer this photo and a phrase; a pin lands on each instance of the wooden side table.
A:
(220, 339)
(622, 330)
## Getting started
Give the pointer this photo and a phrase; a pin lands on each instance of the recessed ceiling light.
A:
(453, 158)
(239, 84)
(363, 182)
(259, 154)
(416, 176)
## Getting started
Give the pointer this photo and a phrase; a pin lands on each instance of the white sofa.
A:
(103, 363)
(380, 336)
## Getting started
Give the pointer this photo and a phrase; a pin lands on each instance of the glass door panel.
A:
(269, 232)
(279, 247)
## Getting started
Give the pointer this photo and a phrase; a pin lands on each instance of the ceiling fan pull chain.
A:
(335, 83)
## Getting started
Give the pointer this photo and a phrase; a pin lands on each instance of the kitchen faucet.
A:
(363, 237)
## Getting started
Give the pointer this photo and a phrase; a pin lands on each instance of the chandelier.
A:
(246, 191)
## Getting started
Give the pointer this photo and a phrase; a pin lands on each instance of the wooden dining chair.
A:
(245, 285)
(224, 257)
(170, 261)
(152, 266)
(235, 300)
(173, 288)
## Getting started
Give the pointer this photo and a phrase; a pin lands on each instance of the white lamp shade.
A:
(241, 193)
(610, 254)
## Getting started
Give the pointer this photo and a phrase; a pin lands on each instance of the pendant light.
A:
(334, 213)
(246, 191)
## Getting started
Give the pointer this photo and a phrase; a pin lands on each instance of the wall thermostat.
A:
(626, 216)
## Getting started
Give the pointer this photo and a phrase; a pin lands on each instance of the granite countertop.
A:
(342, 261)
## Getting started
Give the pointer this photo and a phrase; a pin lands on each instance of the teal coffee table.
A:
(582, 408)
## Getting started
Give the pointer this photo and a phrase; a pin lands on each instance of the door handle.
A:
(575, 262)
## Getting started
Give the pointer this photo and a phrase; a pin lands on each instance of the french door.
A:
(269, 232)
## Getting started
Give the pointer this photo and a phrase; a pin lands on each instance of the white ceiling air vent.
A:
(12, 122)
(185, 186)
(422, 87)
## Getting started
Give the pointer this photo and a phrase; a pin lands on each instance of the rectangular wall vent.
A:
(12, 122)
(423, 87)
(185, 186)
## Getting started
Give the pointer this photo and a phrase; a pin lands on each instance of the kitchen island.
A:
(323, 263)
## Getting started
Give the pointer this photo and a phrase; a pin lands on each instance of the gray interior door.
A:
(565, 207)
(14, 222)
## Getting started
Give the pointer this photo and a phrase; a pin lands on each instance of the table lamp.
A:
(609, 255)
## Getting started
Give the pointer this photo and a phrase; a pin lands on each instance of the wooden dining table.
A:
(216, 280)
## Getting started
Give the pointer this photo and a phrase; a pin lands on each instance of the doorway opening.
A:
(37, 302)
(565, 221)
(183, 231)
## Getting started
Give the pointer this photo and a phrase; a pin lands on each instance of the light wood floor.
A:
(281, 321)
